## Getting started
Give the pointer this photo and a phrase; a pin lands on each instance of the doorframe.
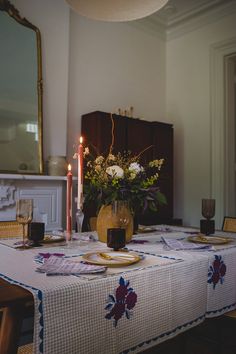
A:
(230, 136)
(218, 122)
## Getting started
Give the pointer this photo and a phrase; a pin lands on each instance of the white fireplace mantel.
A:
(47, 192)
(5, 176)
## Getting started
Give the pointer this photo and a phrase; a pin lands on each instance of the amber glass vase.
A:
(115, 215)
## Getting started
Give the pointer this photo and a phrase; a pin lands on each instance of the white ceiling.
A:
(176, 11)
(180, 16)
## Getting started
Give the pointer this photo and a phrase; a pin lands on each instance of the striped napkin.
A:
(61, 266)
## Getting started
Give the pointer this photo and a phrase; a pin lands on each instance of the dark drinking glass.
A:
(116, 238)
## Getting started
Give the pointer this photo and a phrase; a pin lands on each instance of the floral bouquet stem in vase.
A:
(116, 178)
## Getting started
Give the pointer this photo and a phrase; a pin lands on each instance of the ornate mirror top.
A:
(20, 93)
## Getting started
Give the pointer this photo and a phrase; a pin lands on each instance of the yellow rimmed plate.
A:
(52, 238)
(112, 258)
(213, 240)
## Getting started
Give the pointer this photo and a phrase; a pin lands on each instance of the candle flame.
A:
(81, 140)
(69, 167)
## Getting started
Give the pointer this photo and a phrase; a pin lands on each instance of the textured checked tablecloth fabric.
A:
(126, 309)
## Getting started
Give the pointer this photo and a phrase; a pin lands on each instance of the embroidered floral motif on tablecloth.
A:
(216, 271)
(122, 303)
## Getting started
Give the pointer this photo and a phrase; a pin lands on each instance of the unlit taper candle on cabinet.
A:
(69, 201)
(80, 174)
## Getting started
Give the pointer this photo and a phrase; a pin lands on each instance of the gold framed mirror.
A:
(21, 117)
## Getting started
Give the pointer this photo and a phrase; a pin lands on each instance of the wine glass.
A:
(208, 208)
(24, 215)
(207, 226)
(116, 238)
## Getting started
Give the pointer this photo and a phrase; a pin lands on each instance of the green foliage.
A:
(122, 177)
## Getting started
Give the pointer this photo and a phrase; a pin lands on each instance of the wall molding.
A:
(218, 123)
(187, 22)
(7, 195)
(198, 20)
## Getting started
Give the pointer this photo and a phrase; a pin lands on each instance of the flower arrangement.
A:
(122, 177)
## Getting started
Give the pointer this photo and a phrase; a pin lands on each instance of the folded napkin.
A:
(178, 245)
(40, 257)
(62, 266)
(75, 236)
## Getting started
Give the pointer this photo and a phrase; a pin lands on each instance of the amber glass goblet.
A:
(24, 215)
(207, 226)
(208, 208)
(120, 214)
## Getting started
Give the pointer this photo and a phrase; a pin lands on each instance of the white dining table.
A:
(125, 309)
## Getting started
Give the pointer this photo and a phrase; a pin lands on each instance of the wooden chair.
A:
(25, 349)
(9, 229)
(12, 229)
(229, 225)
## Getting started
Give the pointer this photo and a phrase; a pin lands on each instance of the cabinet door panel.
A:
(139, 138)
(163, 148)
(97, 131)
(162, 137)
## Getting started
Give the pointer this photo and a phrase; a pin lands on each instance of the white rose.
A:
(115, 171)
(135, 167)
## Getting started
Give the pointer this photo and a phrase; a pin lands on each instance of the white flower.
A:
(156, 163)
(86, 151)
(99, 160)
(98, 168)
(115, 171)
(111, 157)
(135, 167)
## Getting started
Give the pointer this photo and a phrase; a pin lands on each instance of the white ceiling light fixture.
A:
(116, 10)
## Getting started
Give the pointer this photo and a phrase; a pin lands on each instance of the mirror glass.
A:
(20, 94)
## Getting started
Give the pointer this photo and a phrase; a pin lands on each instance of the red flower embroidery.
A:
(216, 271)
(123, 302)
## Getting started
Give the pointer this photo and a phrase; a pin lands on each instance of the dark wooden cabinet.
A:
(155, 139)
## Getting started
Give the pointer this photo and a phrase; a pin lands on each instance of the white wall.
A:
(52, 19)
(188, 107)
(113, 65)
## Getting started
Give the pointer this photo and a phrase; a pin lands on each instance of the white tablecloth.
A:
(126, 309)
